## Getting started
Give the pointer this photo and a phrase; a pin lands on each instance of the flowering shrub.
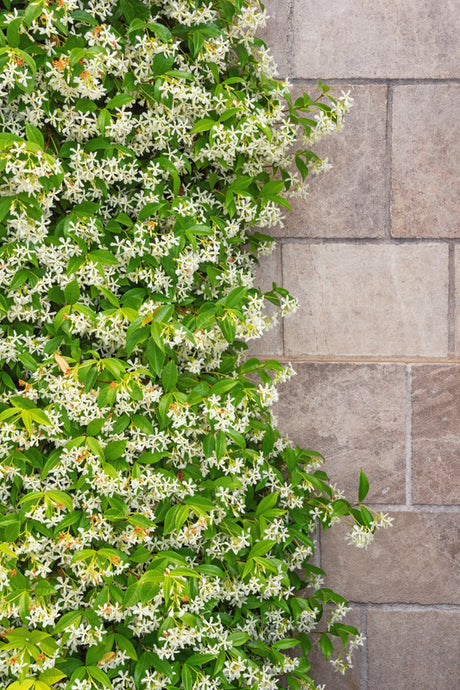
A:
(155, 528)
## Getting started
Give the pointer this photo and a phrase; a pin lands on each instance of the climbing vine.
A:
(156, 531)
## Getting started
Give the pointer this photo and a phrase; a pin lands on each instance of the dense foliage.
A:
(155, 528)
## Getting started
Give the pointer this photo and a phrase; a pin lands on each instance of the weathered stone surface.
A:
(354, 414)
(415, 561)
(323, 672)
(457, 300)
(435, 434)
(388, 300)
(426, 161)
(277, 34)
(351, 200)
(269, 271)
(411, 650)
(368, 38)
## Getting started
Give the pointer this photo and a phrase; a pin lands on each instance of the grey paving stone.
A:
(351, 199)
(435, 434)
(415, 561)
(413, 650)
(426, 161)
(277, 34)
(354, 414)
(361, 300)
(368, 38)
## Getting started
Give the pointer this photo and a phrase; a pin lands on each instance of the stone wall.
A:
(373, 255)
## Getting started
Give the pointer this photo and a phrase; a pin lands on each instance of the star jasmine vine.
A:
(156, 531)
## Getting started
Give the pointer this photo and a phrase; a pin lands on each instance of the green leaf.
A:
(7, 414)
(104, 119)
(72, 292)
(363, 489)
(28, 361)
(261, 548)
(228, 328)
(67, 621)
(223, 386)
(33, 11)
(221, 444)
(293, 683)
(236, 437)
(155, 357)
(162, 63)
(40, 685)
(268, 441)
(187, 677)
(236, 297)
(22, 684)
(103, 256)
(12, 32)
(33, 134)
(267, 503)
(238, 638)
(5, 203)
(95, 446)
(119, 100)
(203, 125)
(326, 645)
(39, 417)
(114, 450)
(83, 555)
(169, 376)
(126, 646)
(51, 676)
(199, 659)
(175, 518)
(99, 676)
(148, 210)
(23, 403)
(286, 644)
(142, 666)
(160, 30)
(59, 497)
(340, 507)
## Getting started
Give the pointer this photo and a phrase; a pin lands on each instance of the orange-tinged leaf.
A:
(63, 364)
(108, 656)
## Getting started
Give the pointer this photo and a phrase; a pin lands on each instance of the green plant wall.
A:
(155, 529)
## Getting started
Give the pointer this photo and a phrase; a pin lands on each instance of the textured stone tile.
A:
(435, 434)
(415, 561)
(354, 414)
(413, 650)
(350, 200)
(388, 300)
(368, 38)
(269, 271)
(457, 300)
(323, 672)
(277, 34)
(426, 161)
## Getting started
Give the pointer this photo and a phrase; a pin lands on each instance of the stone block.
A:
(368, 38)
(351, 199)
(457, 300)
(435, 437)
(367, 300)
(268, 271)
(426, 161)
(415, 561)
(277, 34)
(413, 650)
(354, 414)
